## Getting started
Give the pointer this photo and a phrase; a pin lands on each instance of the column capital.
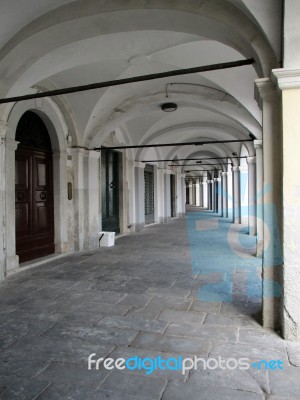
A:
(217, 179)
(264, 90)
(286, 78)
(11, 144)
(251, 160)
(204, 183)
(224, 173)
(258, 143)
(76, 151)
(139, 164)
(236, 169)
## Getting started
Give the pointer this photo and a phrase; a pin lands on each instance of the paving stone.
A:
(12, 388)
(135, 300)
(60, 373)
(24, 369)
(48, 348)
(240, 308)
(196, 391)
(100, 334)
(128, 322)
(282, 397)
(72, 392)
(128, 352)
(293, 351)
(134, 385)
(103, 308)
(229, 379)
(260, 336)
(191, 317)
(216, 319)
(285, 382)
(166, 343)
(148, 312)
(201, 306)
(226, 334)
(173, 292)
(251, 351)
(170, 302)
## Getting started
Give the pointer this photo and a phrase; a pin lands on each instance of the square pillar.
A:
(139, 190)
(236, 195)
(269, 101)
(289, 83)
(252, 195)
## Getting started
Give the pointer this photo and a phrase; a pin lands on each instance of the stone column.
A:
(236, 195)
(93, 216)
(230, 194)
(224, 195)
(219, 200)
(209, 197)
(78, 156)
(167, 196)
(289, 83)
(259, 197)
(201, 191)
(183, 195)
(12, 260)
(197, 185)
(252, 195)
(269, 101)
(191, 192)
(139, 189)
(205, 194)
(2, 202)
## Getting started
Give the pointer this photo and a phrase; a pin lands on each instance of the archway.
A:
(34, 189)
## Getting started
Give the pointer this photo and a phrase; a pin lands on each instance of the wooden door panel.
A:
(34, 204)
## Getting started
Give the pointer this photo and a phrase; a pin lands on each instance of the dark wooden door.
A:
(34, 204)
(110, 161)
(149, 194)
(173, 195)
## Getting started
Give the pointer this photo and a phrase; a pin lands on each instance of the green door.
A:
(110, 164)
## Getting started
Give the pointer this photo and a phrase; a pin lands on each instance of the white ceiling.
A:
(50, 44)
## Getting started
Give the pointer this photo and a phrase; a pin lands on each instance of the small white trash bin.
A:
(106, 239)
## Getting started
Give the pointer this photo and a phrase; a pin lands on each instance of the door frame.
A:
(58, 131)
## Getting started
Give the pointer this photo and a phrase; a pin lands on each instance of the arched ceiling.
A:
(49, 44)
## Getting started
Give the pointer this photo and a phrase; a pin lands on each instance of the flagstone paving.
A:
(188, 288)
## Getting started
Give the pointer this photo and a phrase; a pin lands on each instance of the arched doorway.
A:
(34, 189)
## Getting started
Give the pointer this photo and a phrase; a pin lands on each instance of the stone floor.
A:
(187, 288)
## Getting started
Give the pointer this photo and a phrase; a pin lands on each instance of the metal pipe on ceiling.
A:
(142, 146)
(140, 78)
(193, 159)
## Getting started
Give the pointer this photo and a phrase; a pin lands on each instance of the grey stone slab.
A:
(282, 397)
(211, 307)
(225, 378)
(191, 317)
(134, 385)
(103, 308)
(241, 308)
(225, 334)
(129, 352)
(286, 382)
(172, 292)
(94, 296)
(196, 391)
(100, 334)
(261, 376)
(253, 352)
(237, 320)
(72, 392)
(137, 323)
(170, 344)
(22, 326)
(148, 312)
(135, 300)
(293, 351)
(54, 349)
(61, 373)
(176, 303)
(13, 388)
(260, 336)
(27, 368)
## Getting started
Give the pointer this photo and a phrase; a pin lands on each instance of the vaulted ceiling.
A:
(50, 44)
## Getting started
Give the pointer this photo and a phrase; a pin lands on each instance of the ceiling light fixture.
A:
(169, 107)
